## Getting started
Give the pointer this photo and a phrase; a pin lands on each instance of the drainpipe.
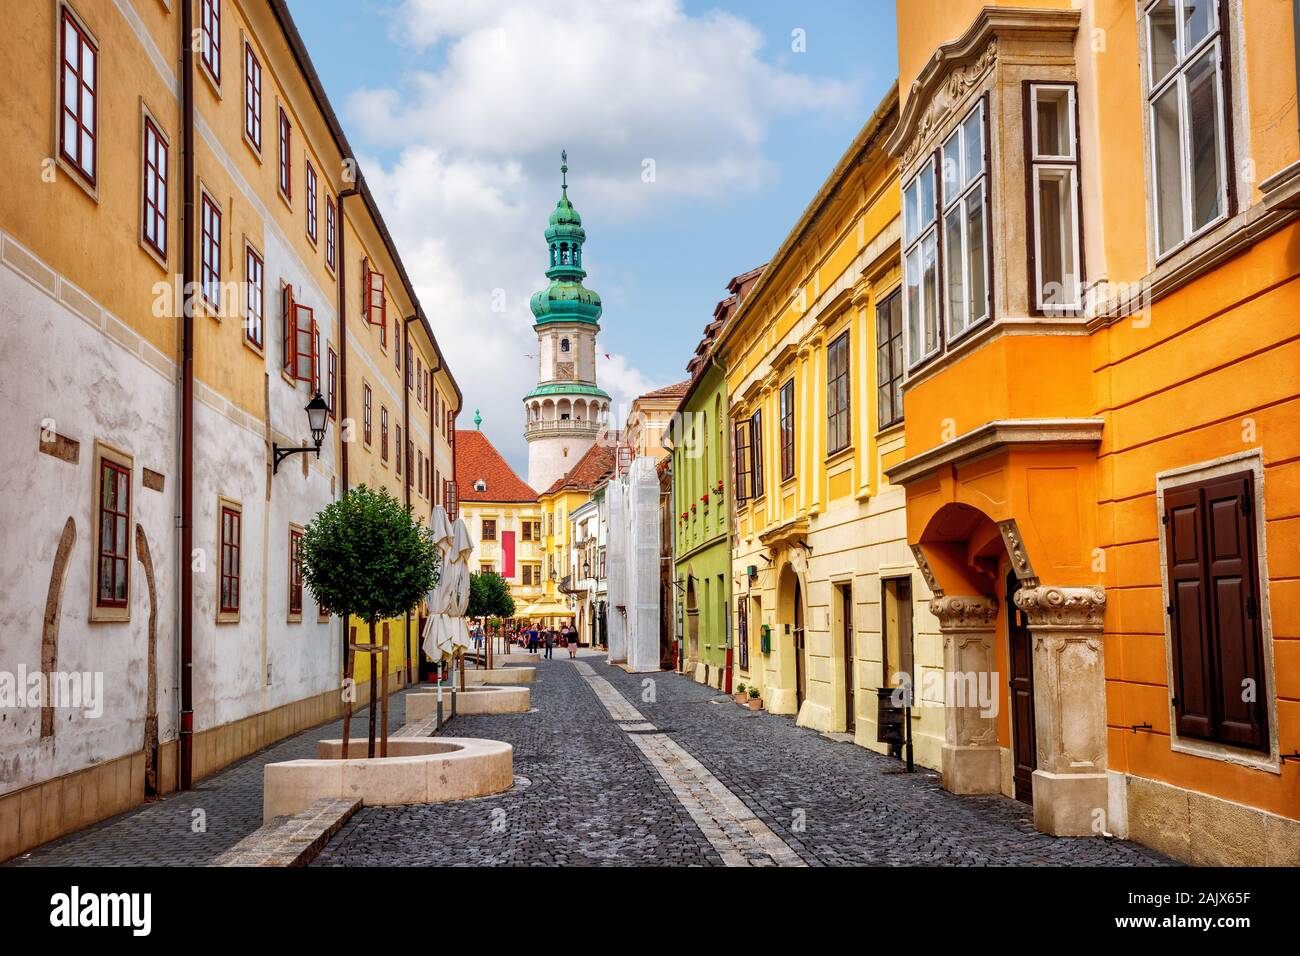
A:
(404, 345)
(186, 568)
(343, 376)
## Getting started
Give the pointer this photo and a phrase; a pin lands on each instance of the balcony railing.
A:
(573, 426)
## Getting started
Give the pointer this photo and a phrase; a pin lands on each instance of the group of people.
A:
(534, 637)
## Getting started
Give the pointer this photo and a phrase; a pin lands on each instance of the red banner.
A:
(507, 554)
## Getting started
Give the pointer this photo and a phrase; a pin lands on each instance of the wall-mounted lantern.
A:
(317, 415)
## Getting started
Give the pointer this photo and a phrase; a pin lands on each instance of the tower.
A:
(566, 411)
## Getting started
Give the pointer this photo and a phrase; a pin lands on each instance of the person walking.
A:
(550, 641)
(532, 640)
(572, 639)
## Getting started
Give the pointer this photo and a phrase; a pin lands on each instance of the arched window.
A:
(564, 345)
(564, 253)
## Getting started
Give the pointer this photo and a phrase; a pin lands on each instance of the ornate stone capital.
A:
(1076, 609)
(1015, 546)
(965, 612)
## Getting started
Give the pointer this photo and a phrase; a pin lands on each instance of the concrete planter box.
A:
(416, 770)
(500, 675)
(472, 700)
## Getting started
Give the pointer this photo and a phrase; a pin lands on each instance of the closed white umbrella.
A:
(445, 632)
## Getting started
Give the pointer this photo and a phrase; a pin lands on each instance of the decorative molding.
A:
(1074, 609)
(947, 98)
(924, 566)
(965, 612)
(996, 436)
(1015, 546)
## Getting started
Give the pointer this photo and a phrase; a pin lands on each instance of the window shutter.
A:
(304, 344)
(1188, 617)
(286, 315)
(1238, 650)
(376, 313)
(742, 462)
(315, 356)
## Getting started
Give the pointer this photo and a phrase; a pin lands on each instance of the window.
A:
(756, 453)
(301, 340)
(787, 430)
(153, 221)
(210, 38)
(487, 568)
(79, 92)
(383, 433)
(564, 345)
(210, 252)
(366, 406)
(375, 307)
(231, 521)
(331, 232)
(286, 161)
(526, 531)
(295, 573)
(965, 202)
(743, 462)
(837, 394)
(530, 575)
(742, 633)
(332, 382)
(1215, 625)
(1187, 109)
(889, 360)
(309, 174)
(921, 264)
(1053, 156)
(397, 450)
(114, 553)
(419, 383)
(254, 297)
(410, 462)
(252, 98)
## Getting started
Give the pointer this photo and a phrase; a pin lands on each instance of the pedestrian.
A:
(532, 641)
(550, 641)
(572, 640)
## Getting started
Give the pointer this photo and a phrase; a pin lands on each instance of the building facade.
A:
(1101, 385)
(566, 412)
(161, 523)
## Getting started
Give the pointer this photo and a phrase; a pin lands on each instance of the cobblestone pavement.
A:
(591, 790)
(162, 833)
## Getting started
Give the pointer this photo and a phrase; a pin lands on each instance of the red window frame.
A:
(231, 529)
(210, 37)
(367, 401)
(330, 232)
(306, 345)
(254, 297)
(332, 371)
(210, 251)
(252, 96)
(309, 177)
(153, 222)
(383, 433)
(286, 160)
(76, 47)
(295, 571)
(114, 565)
(375, 305)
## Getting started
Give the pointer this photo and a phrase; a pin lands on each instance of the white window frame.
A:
(916, 243)
(1215, 39)
(967, 187)
(1067, 163)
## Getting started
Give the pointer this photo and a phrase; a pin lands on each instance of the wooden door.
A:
(846, 624)
(1021, 664)
(799, 674)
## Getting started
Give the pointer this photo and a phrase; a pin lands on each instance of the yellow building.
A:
(1103, 453)
(647, 431)
(160, 521)
(827, 603)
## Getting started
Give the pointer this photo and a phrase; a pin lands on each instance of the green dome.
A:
(566, 299)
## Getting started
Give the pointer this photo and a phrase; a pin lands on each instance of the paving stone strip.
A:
(291, 841)
(740, 837)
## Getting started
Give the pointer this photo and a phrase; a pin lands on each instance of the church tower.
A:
(566, 411)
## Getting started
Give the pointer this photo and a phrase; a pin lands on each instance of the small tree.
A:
(365, 555)
(489, 596)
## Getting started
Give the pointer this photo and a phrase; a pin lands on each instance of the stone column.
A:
(1070, 797)
(972, 762)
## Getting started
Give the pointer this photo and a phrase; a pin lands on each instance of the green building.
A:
(702, 508)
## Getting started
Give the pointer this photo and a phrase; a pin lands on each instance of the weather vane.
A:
(564, 170)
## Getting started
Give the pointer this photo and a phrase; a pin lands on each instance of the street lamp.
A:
(586, 569)
(317, 412)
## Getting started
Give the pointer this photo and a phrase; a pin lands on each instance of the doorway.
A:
(845, 594)
(692, 622)
(896, 655)
(800, 672)
(1020, 658)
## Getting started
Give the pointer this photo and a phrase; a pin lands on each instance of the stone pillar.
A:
(1070, 797)
(972, 762)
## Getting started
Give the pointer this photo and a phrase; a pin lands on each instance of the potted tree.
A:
(366, 556)
(740, 695)
(755, 701)
(491, 600)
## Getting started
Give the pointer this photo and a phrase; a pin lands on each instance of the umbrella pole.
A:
(374, 684)
(462, 669)
(349, 689)
(383, 727)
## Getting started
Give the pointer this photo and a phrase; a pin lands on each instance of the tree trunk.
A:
(349, 688)
(374, 684)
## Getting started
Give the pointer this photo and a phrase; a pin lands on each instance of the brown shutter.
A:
(287, 319)
(1188, 613)
(742, 462)
(1238, 650)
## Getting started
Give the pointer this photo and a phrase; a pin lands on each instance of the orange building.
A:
(1102, 408)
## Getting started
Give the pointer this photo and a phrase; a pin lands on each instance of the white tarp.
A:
(445, 631)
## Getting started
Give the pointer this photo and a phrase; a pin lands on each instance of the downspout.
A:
(186, 568)
(405, 346)
(343, 379)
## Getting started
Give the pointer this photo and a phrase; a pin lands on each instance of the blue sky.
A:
(459, 108)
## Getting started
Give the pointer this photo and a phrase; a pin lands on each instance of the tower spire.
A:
(564, 171)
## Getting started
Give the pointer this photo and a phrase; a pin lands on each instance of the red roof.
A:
(477, 460)
(676, 390)
(591, 469)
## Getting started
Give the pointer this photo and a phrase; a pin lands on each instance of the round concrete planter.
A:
(416, 770)
(471, 700)
(501, 675)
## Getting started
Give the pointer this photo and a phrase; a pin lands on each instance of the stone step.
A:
(294, 840)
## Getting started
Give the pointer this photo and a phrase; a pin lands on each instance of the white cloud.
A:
(509, 83)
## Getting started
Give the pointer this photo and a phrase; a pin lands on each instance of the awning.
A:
(545, 609)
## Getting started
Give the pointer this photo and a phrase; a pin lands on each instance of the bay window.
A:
(1055, 272)
(1186, 102)
(965, 210)
(921, 264)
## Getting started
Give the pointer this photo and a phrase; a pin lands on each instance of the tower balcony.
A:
(563, 428)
